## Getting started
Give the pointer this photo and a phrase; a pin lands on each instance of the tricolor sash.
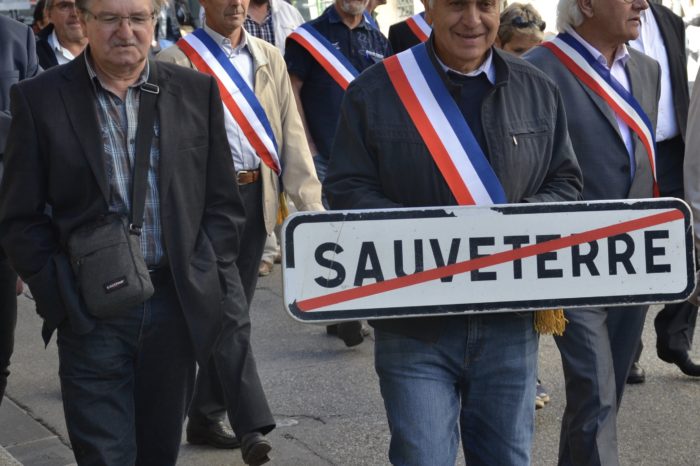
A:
(241, 105)
(595, 76)
(419, 26)
(444, 130)
(330, 58)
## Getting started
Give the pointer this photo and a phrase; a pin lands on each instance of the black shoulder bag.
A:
(105, 253)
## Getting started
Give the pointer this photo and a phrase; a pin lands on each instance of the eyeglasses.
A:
(64, 7)
(522, 23)
(138, 20)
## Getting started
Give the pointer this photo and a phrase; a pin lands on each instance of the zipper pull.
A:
(515, 141)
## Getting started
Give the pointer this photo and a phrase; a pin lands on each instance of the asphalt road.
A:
(326, 400)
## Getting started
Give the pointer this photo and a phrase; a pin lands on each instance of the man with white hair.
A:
(611, 93)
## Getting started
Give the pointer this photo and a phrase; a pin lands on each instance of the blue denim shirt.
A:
(321, 96)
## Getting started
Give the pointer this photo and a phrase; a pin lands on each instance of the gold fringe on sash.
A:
(550, 322)
(283, 211)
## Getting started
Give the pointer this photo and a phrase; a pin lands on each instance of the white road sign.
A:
(416, 262)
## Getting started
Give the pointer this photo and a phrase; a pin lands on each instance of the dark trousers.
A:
(127, 384)
(8, 320)
(230, 382)
(675, 323)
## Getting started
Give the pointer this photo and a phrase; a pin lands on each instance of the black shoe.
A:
(255, 448)
(351, 333)
(215, 434)
(332, 329)
(682, 360)
(636, 374)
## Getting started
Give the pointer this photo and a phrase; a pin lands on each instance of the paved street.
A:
(327, 404)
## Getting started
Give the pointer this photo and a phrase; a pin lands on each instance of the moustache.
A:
(234, 11)
(124, 43)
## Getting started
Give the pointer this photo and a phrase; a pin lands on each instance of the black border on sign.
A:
(500, 306)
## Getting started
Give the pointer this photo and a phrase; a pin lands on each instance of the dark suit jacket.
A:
(47, 57)
(17, 62)
(55, 157)
(593, 128)
(673, 33)
(401, 37)
(669, 157)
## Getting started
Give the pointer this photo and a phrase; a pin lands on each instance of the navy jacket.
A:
(380, 161)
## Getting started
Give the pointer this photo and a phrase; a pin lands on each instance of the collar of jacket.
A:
(45, 32)
(501, 65)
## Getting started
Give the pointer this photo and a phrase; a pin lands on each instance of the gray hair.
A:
(501, 4)
(82, 5)
(568, 14)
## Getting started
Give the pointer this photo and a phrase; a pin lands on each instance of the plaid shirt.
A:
(118, 120)
(262, 31)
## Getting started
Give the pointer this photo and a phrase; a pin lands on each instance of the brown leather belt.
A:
(247, 176)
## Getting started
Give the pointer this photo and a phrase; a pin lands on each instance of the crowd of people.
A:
(122, 124)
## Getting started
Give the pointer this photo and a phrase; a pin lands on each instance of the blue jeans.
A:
(127, 384)
(478, 379)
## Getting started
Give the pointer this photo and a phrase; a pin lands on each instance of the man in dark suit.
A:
(402, 36)
(63, 39)
(17, 62)
(126, 381)
(262, 68)
(599, 344)
(663, 39)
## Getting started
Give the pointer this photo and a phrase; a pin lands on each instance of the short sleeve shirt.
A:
(321, 95)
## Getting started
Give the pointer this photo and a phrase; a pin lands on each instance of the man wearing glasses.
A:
(63, 39)
(126, 380)
(611, 95)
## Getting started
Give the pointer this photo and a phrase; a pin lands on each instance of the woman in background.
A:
(521, 29)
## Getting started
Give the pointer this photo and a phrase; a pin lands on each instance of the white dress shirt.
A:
(63, 55)
(244, 156)
(651, 43)
(486, 67)
(617, 70)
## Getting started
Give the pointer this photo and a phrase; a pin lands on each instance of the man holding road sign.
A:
(472, 126)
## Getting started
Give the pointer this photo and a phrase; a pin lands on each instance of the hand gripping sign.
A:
(392, 263)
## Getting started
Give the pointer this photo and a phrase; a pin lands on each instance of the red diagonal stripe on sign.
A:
(487, 261)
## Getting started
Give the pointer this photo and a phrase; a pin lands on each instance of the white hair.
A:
(568, 14)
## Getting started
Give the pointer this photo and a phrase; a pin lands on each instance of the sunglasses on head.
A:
(522, 23)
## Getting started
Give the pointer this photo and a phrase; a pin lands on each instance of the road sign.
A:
(437, 261)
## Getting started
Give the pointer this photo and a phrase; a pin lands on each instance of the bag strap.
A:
(142, 156)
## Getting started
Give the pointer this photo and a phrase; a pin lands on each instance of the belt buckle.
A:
(240, 174)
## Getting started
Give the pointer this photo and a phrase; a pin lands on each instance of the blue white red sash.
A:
(330, 58)
(241, 105)
(443, 128)
(419, 26)
(590, 72)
